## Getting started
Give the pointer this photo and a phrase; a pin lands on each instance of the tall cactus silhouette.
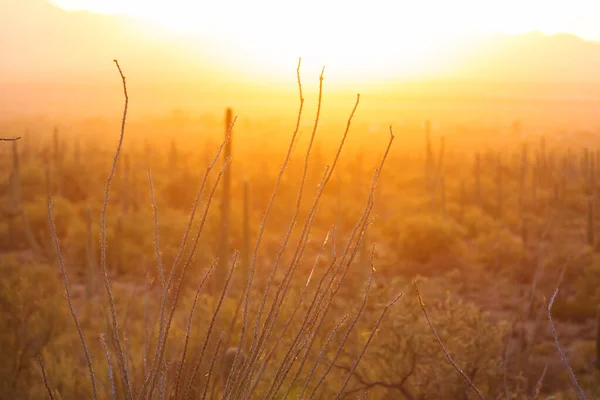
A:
(56, 163)
(15, 194)
(499, 188)
(477, 174)
(428, 156)
(90, 258)
(543, 162)
(246, 231)
(598, 338)
(522, 180)
(126, 187)
(591, 234)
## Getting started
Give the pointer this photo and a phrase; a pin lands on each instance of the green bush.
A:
(426, 237)
(33, 317)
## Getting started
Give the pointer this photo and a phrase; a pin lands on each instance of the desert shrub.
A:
(405, 358)
(33, 317)
(476, 222)
(498, 250)
(423, 238)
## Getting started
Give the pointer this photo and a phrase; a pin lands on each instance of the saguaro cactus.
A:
(439, 187)
(590, 224)
(126, 189)
(522, 180)
(462, 200)
(428, 156)
(499, 188)
(56, 162)
(89, 255)
(246, 231)
(173, 156)
(15, 194)
(543, 162)
(477, 173)
(598, 338)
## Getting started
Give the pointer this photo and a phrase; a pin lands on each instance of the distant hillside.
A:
(58, 63)
(532, 57)
(47, 44)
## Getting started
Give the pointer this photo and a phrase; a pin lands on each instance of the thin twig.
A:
(210, 326)
(61, 262)
(236, 368)
(439, 340)
(10, 139)
(538, 385)
(111, 379)
(364, 349)
(284, 285)
(156, 242)
(164, 330)
(304, 324)
(113, 313)
(364, 396)
(505, 369)
(212, 365)
(46, 382)
(350, 328)
(146, 333)
(359, 229)
(580, 393)
(189, 327)
(321, 354)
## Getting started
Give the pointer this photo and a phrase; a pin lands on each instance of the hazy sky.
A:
(579, 17)
(376, 36)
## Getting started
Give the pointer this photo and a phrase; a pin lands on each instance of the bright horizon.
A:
(352, 39)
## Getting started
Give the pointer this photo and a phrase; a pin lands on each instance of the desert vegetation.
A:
(347, 265)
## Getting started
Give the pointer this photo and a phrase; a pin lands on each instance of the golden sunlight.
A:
(352, 39)
(357, 41)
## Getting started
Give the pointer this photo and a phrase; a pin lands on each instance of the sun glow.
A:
(353, 40)
(372, 40)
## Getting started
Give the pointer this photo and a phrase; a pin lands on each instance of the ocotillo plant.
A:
(225, 204)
